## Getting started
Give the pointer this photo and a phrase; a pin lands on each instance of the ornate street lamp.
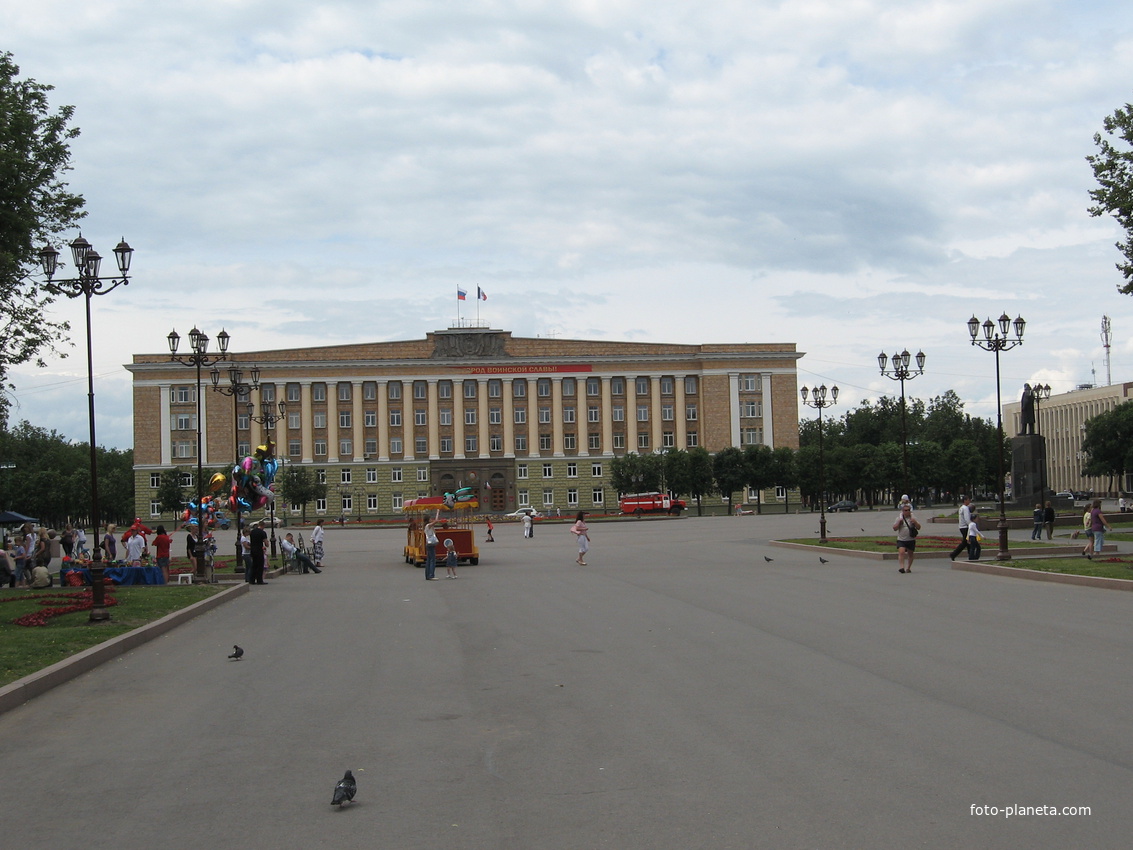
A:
(998, 339)
(238, 390)
(268, 417)
(1041, 393)
(899, 371)
(88, 284)
(819, 401)
(199, 344)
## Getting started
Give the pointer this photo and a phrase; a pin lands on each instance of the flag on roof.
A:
(461, 295)
(481, 295)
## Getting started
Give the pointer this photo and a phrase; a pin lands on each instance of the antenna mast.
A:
(1106, 337)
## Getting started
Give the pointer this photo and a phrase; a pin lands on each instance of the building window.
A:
(371, 475)
(294, 421)
(370, 418)
(618, 386)
(691, 440)
(643, 441)
(294, 448)
(690, 385)
(593, 386)
(470, 416)
(548, 498)
(318, 392)
(395, 418)
(642, 386)
(344, 419)
(445, 416)
(393, 390)
(521, 471)
(619, 441)
(572, 470)
(422, 473)
(595, 441)
(596, 470)
(419, 417)
(470, 445)
(521, 443)
(181, 395)
(544, 415)
(470, 389)
(667, 412)
(155, 508)
(544, 387)
(519, 388)
(185, 422)
(371, 447)
(690, 413)
(495, 416)
(751, 436)
(749, 383)
(668, 440)
(495, 388)
(420, 390)
(523, 498)
(618, 413)
(521, 416)
(643, 413)
(444, 389)
(320, 506)
(320, 448)
(495, 443)
(570, 442)
(155, 480)
(597, 497)
(593, 413)
(320, 419)
(421, 445)
(395, 501)
(395, 445)
(346, 448)
(568, 414)
(345, 476)
(751, 409)
(371, 501)
(395, 475)
(666, 385)
(548, 471)
(446, 445)
(243, 448)
(321, 476)
(345, 393)
(572, 497)
(568, 386)
(544, 442)
(243, 422)
(369, 391)
(187, 479)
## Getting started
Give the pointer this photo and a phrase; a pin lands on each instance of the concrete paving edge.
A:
(29, 687)
(1037, 575)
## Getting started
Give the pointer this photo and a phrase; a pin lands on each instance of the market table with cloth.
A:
(118, 575)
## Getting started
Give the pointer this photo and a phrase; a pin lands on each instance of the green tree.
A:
(730, 472)
(634, 473)
(677, 471)
(701, 481)
(1113, 170)
(36, 207)
(170, 492)
(1109, 443)
(784, 473)
(299, 486)
(760, 462)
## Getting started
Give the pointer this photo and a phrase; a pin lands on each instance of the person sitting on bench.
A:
(291, 551)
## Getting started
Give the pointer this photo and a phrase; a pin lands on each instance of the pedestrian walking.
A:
(908, 527)
(259, 541)
(162, 543)
(1039, 516)
(965, 520)
(317, 535)
(1099, 525)
(1048, 520)
(431, 544)
(528, 526)
(582, 532)
(974, 538)
(491, 528)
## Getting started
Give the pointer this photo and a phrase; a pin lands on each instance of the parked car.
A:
(522, 512)
(1065, 494)
(844, 505)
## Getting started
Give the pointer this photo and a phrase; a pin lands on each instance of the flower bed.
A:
(82, 601)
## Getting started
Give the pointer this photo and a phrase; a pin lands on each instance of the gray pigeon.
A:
(237, 652)
(344, 790)
(822, 560)
(768, 560)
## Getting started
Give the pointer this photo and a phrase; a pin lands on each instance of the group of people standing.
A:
(1094, 526)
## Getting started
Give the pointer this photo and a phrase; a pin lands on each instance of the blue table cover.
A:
(119, 575)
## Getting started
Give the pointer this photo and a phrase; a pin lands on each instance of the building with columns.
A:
(523, 421)
(1061, 419)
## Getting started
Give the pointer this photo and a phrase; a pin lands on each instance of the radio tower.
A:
(1105, 342)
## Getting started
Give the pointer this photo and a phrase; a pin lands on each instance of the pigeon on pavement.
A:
(822, 560)
(344, 790)
(237, 653)
(768, 560)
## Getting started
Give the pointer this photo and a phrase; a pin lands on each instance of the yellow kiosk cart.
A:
(455, 523)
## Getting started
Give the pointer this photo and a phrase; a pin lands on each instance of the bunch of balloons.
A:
(210, 509)
(252, 479)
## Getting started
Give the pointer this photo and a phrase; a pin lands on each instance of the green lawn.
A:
(26, 649)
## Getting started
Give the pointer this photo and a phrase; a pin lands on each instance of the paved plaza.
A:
(678, 692)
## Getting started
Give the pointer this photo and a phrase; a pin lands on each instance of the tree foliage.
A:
(35, 207)
(299, 486)
(1113, 170)
(1109, 442)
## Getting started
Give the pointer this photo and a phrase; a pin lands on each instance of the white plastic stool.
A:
(184, 578)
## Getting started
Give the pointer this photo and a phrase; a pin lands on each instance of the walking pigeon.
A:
(822, 560)
(344, 790)
(768, 560)
(237, 653)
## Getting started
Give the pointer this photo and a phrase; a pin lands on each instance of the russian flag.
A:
(481, 295)
(461, 295)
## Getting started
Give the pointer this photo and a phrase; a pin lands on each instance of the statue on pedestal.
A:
(1027, 411)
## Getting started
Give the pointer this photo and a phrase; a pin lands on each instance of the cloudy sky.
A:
(847, 175)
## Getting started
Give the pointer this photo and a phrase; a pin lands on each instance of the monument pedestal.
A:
(1028, 462)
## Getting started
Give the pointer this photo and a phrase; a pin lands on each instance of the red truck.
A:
(650, 503)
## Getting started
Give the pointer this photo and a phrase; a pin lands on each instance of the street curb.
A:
(29, 687)
(1037, 575)
(1019, 551)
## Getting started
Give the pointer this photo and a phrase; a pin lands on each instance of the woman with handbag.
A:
(907, 527)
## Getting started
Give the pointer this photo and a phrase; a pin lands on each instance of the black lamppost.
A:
(899, 371)
(88, 284)
(199, 343)
(268, 417)
(997, 340)
(819, 401)
(1041, 393)
(238, 390)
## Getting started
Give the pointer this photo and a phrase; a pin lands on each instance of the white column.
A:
(734, 406)
(768, 419)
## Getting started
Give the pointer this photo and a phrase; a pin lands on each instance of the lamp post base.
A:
(99, 613)
(1004, 553)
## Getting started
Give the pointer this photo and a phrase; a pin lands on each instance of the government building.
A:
(522, 421)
